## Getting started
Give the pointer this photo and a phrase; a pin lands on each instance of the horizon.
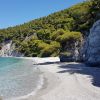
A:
(20, 12)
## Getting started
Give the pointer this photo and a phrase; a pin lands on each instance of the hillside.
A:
(50, 35)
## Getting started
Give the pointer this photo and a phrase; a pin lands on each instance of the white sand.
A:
(67, 81)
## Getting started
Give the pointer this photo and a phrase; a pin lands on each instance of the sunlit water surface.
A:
(18, 77)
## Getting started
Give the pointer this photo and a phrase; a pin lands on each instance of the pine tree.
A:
(95, 9)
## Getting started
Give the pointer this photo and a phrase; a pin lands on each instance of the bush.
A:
(51, 50)
(43, 34)
(46, 52)
(55, 44)
(69, 36)
(57, 33)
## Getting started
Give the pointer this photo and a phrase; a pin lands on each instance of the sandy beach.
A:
(67, 81)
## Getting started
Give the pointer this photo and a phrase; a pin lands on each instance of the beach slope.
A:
(67, 81)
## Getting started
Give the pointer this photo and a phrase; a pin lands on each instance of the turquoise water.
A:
(18, 77)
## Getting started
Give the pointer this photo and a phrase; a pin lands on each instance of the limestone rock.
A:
(8, 50)
(72, 54)
(91, 48)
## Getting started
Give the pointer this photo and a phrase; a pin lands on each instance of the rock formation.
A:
(72, 54)
(8, 50)
(91, 48)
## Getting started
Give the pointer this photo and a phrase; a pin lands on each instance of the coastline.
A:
(64, 81)
(38, 87)
(47, 78)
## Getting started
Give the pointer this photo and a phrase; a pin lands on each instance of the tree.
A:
(94, 9)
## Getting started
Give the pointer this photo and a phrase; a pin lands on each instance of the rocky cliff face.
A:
(72, 54)
(8, 50)
(91, 48)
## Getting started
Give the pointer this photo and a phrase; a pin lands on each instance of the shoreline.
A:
(26, 97)
(46, 79)
(39, 86)
(65, 81)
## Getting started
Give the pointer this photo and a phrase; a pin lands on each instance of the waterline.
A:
(18, 78)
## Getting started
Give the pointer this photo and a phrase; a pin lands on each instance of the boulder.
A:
(66, 58)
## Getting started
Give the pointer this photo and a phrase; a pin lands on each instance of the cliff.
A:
(91, 49)
(8, 50)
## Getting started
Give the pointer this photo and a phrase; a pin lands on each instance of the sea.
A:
(18, 78)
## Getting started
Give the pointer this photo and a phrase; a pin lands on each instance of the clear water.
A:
(18, 77)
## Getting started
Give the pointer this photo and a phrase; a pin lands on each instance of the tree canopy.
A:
(48, 36)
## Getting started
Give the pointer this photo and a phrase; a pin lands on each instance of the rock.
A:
(71, 54)
(65, 58)
(91, 48)
(7, 49)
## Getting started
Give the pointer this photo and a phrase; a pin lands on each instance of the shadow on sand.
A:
(82, 69)
(46, 63)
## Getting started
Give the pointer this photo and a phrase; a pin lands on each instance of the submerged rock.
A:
(91, 48)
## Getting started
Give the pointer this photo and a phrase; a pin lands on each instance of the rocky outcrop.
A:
(72, 54)
(66, 58)
(91, 48)
(8, 50)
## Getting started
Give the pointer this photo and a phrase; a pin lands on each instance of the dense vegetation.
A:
(50, 35)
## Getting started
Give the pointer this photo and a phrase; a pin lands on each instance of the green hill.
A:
(50, 35)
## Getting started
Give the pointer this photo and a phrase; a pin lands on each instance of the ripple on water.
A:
(18, 77)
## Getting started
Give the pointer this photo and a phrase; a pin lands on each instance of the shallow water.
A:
(18, 77)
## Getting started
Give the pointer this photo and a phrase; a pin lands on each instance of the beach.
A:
(18, 78)
(66, 81)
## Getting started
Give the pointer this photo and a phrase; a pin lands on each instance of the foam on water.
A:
(18, 77)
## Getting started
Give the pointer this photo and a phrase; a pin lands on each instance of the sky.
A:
(15, 12)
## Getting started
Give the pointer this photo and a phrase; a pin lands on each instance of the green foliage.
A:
(69, 36)
(43, 34)
(68, 39)
(35, 48)
(57, 33)
(66, 53)
(73, 19)
(51, 50)
(94, 10)
(65, 36)
(49, 35)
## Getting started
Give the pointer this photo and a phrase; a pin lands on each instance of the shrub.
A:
(43, 34)
(69, 36)
(57, 33)
(55, 44)
(51, 50)
(46, 52)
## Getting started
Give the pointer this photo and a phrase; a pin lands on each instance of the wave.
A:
(39, 86)
(19, 80)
